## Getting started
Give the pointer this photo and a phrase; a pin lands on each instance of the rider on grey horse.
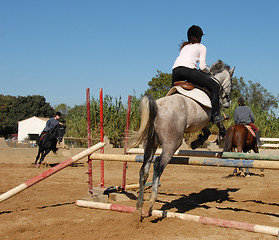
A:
(185, 68)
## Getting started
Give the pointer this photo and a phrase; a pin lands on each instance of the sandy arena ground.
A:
(47, 210)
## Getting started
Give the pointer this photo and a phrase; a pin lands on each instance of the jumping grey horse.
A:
(165, 121)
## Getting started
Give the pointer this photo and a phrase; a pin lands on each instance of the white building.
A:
(31, 128)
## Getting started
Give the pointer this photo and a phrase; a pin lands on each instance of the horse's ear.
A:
(232, 71)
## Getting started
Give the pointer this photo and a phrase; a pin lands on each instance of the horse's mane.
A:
(218, 67)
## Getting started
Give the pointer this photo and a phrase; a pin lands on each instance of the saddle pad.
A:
(195, 94)
(251, 130)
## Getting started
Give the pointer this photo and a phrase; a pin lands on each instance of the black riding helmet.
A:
(194, 31)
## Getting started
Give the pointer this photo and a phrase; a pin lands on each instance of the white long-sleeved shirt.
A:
(190, 55)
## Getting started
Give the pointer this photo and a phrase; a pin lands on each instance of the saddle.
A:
(191, 91)
(189, 86)
(250, 129)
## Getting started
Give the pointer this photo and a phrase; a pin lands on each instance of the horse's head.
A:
(223, 74)
(59, 132)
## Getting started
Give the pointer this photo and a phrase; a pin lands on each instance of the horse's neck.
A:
(59, 133)
(223, 77)
(52, 134)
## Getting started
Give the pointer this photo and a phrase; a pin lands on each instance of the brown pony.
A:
(239, 138)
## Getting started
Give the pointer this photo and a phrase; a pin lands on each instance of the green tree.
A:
(63, 108)
(254, 94)
(76, 119)
(159, 85)
(7, 116)
(14, 109)
(114, 119)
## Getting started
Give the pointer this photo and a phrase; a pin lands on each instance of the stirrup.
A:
(226, 117)
(218, 118)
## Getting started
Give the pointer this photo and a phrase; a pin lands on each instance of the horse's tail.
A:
(148, 108)
(38, 141)
(229, 139)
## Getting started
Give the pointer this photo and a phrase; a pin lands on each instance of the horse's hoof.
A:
(139, 214)
(248, 175)
(262, 174)
(195, 144)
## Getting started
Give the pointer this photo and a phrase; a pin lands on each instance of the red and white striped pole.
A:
(102, 138)
(204, 220)
(50, 172)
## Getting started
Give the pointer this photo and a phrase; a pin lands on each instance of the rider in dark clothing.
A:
(244, 115)
(50, 125)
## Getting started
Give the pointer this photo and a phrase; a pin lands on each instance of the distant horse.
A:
(48, 141)
(239, 138)
(165, 121)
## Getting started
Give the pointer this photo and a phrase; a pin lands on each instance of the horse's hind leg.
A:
(239, 148)
(168, 150)
(159, 166)
(256, 150)
(149, 152)
(44, 153)
(247, 172)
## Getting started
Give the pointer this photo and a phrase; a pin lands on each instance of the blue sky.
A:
(58, 48)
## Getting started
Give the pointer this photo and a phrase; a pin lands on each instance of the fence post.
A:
(126, 142)
(90, 183)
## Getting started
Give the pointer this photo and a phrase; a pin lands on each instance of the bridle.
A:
(223, 89)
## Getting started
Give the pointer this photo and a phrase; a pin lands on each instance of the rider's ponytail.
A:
(183, 45)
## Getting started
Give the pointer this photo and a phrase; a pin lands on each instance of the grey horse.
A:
(165, 121)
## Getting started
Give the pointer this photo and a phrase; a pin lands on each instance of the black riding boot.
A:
(258, 138)
(217, 117)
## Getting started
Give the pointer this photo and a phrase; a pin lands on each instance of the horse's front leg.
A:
(201, 138)
(222, 130)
